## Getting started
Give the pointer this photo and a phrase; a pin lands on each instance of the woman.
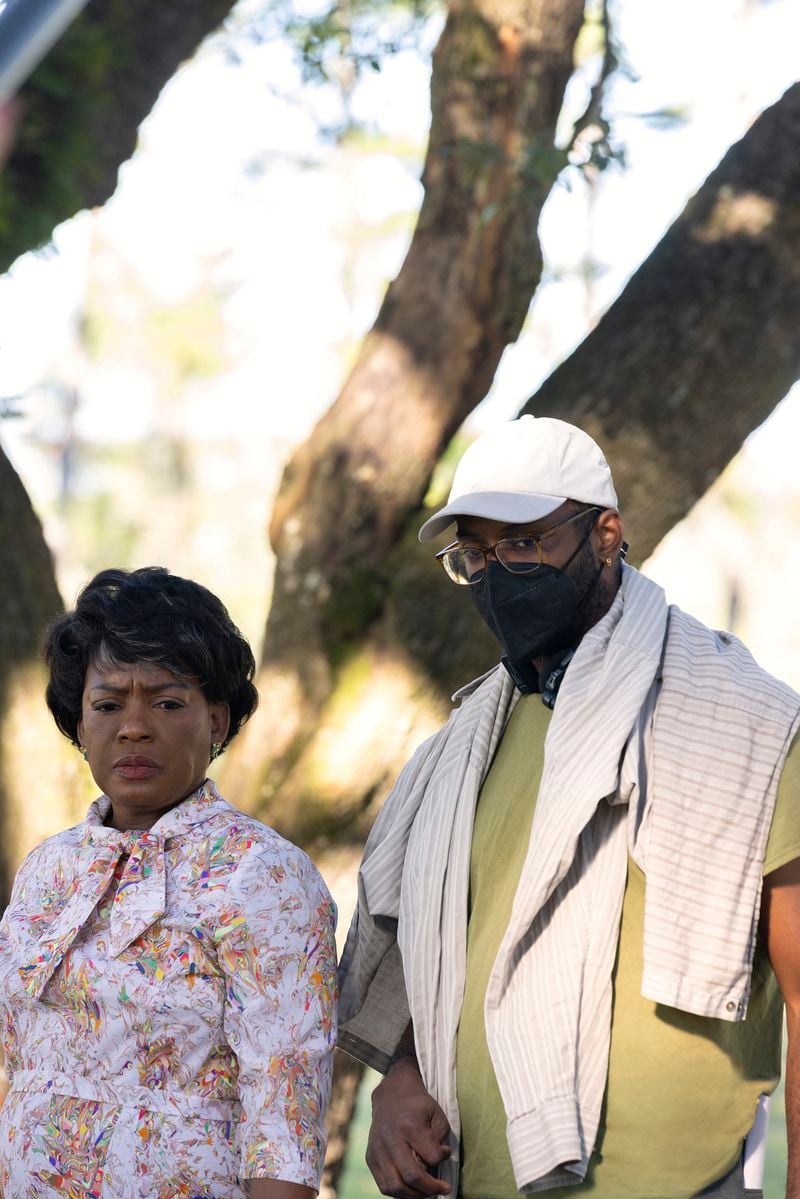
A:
(167, 967)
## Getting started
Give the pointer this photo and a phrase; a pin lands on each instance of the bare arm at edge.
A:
(780, 928)
(275, 1188)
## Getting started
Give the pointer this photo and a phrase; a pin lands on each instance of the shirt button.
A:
(730, 1006)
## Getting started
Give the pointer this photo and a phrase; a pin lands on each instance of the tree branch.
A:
(83, 107)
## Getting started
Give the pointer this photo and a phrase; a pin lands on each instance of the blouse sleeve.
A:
(276, 948)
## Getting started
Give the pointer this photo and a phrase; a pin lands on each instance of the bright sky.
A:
(231, 176)
(188, 196)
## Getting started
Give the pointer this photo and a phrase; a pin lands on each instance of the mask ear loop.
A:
(580, 544)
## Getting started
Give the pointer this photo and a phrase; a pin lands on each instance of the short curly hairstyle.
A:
(149, 615)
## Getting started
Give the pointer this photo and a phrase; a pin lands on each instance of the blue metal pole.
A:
(28, 29)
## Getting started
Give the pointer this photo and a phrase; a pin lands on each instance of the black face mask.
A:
(533, 615)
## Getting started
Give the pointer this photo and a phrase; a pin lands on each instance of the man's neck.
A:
(547, 663)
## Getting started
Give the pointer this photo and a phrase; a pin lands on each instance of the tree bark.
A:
(704, 340)
(28, 600)
(83, 107)
(499, 74)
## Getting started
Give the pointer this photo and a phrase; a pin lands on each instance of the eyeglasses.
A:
(521, 555)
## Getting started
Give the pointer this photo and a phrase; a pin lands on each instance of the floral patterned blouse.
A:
(168, 1001)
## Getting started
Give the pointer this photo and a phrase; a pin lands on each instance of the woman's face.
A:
(148, 738)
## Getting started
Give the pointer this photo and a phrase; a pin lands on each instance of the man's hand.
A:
(408, 1134)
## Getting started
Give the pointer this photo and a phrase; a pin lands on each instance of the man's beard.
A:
(590, 582)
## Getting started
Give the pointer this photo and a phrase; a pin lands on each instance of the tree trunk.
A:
(499, 74)
(83, 108)
(704, 340)
(28, 600)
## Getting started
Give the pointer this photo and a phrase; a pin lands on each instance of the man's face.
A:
(581, 544)
(557, 549)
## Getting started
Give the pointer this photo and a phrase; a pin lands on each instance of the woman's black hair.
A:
(149, 615)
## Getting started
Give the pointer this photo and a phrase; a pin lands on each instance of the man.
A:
(563, 958)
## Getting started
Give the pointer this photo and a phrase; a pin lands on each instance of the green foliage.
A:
(83, 106)
(375, 141)
(340, 43)
(177, 342)
(104, 534)
(442, 477)
(48, 174)
(349, 39)
(740, 502)
(592, 148)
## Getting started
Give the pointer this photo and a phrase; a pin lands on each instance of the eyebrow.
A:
(150, 690)
(465, 531)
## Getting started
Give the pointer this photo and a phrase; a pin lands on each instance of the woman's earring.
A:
(608, 561)
(216, 749)
(83, 753)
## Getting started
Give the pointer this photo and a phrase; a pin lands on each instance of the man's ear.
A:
(609, 533)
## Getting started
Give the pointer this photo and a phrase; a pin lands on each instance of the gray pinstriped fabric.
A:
(722, 730)
(710, 757)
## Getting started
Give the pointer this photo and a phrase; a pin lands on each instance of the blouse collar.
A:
(140, 897)
(194, 810)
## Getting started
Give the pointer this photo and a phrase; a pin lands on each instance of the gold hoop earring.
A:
(216, 749)
(608, 561)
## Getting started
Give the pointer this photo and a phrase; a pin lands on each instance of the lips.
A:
(136, 766)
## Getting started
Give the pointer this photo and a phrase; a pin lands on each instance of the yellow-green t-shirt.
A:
(682, 1089)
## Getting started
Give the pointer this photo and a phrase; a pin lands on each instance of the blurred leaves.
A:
(344, 41)
(190, 336)
(341, 41)
(337, 44)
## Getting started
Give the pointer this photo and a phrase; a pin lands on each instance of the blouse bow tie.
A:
(139, 900)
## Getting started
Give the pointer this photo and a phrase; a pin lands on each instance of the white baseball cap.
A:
(522, 470)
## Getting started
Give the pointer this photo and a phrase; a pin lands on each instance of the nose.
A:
(135, 725)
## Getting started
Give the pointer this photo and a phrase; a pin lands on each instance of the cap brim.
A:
(512, 508)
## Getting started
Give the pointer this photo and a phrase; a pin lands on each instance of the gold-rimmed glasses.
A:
(465, 564)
